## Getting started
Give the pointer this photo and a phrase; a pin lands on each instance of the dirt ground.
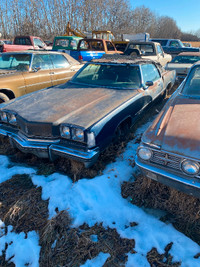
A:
(22, 207)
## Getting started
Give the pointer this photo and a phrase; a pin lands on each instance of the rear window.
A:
(91, 45)
(22, 41)
(62, 42)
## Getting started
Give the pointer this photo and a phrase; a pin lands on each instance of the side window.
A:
(97, 45)
(42, 61)
(59, 61)
(110, 46)
(150, 73)
(174, 44)
(83, 45)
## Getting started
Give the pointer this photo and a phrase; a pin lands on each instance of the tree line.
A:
(48, 18)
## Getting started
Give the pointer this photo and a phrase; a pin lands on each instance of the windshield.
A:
(110, 75)
(192, 85)
(186, 59)
(15, 62)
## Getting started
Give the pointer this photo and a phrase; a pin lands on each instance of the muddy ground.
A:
(22, 207)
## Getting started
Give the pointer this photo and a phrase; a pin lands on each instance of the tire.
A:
(121, 133)
(3, 98)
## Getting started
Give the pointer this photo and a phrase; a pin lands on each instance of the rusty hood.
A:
(69, 104)
(177, 128)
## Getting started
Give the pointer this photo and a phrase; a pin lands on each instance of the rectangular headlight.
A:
(77, 134)
(65, 131)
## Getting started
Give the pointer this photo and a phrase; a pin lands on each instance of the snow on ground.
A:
(99, 200)
(25, 249)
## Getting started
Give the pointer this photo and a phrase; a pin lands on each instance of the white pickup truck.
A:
(150, 50)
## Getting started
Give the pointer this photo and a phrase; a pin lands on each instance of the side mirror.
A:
(35, 69)
(148, 83)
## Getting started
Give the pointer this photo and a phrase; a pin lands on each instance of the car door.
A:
(150, 73)
(62, 69)
(40, 74)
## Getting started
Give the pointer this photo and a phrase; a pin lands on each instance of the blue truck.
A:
(89, 49)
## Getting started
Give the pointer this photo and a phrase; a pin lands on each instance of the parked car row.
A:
(80, 118)
(81, 109)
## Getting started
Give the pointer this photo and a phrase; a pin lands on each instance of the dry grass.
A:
(66, 246)
(161, 260)
(183, 211)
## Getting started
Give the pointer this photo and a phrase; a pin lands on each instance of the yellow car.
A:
(24, 72)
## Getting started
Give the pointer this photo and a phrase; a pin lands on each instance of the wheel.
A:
(121, 133)
(3, 98)
(134, 54)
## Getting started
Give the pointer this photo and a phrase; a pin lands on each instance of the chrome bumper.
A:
(188, 186)
(50, 148)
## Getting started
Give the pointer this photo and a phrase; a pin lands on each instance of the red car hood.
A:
(177, 129)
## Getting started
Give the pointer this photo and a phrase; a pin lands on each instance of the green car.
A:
(65, 43)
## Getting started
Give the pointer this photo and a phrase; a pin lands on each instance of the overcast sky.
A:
(184, 12)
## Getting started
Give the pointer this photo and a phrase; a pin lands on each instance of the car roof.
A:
(123, 59)
(141, 42)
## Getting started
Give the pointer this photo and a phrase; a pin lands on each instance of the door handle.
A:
(52, 72)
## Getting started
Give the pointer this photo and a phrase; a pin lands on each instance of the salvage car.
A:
(182, 64)
(28, 71)
(150, 50)
(79, 119)
(169, 152)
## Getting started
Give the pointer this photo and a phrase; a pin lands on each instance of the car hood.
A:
(180, 68)
(69, 104)
(176, 129)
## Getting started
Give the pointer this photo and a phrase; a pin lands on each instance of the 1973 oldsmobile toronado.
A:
(169, 152)
(79, 119)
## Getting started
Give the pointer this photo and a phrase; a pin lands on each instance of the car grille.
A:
(168, 161)
(36, 130)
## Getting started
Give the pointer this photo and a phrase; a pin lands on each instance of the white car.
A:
(182, 64)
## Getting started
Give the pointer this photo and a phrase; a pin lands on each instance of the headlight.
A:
(144, 153)
(190, 167)
(65, 132)
(77, 134)
(11, 118)
(3, 116)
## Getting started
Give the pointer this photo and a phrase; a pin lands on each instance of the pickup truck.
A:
(148, 50)
(89, 49)
(24, 43)
(174, 46)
